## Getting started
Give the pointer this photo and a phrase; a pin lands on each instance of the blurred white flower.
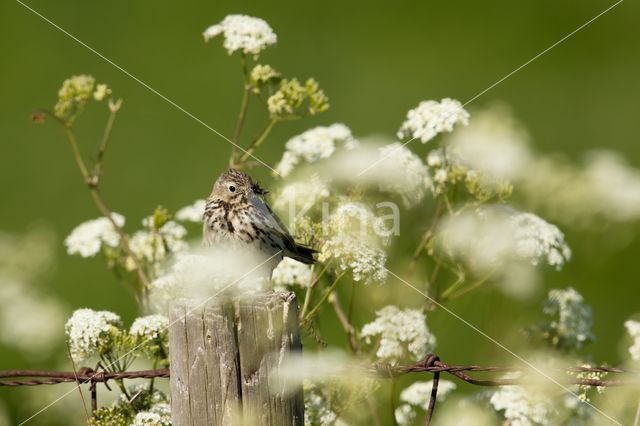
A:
(313, 145)
(102, 91)
(354, 235)
(241, 32)
(365, 262)
(405, 415)
(291, 272)
(87, 238)
(431, 117)
(206, 273)
(417, 395)
(402, 334)
(154, 246)
(89, 332)
(317, 407)
(150, 327)
(158, 415)
(538, 240)
(633, 328)
(192, 213)
(494, 144)
(411, 178)
(491, 237)
(522, 407)
(571, 322)
(302, 194)
(41, 318)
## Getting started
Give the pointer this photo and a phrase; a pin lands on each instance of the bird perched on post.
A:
(237, 213)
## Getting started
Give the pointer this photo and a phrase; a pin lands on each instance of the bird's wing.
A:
(273, 222)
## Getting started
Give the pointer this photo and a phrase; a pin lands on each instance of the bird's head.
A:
(234, 185)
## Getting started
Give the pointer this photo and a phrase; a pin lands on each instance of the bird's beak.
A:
(258, 190)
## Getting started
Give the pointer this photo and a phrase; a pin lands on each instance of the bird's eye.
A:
(232, 188)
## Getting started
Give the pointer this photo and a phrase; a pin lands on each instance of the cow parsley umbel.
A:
(401, 334)
(91, 333)
(241, 32)
(431, 117)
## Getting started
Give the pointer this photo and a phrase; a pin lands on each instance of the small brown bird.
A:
(236, 212)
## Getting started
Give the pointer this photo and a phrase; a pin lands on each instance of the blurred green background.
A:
(374, 62)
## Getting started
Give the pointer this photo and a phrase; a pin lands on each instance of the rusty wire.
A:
(429, 364)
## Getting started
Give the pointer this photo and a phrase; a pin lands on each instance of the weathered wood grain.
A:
(223, 356)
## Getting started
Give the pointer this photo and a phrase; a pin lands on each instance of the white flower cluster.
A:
(572, 320)
(158, 415)
(446, 168)
(87, 238)
(402, 334)
(154, 246)
(317, 410)
(291, 272)
(494, 144)
(193, 212)
(537, 239)
(633, 328)
(150, 327)
(522, 407)
(354, 237)
(494, 236)
(41, 318)
(302, 194)
(89, 332)
(409, 177)
(417, 395)
(313, 145)
(431, 117)
(246, 33)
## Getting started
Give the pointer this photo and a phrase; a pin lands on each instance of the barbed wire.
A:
(429, 364)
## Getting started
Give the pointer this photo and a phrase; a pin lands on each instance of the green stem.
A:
(106, 212)
(102, 146)
(392, 401)
(257, 141)
(244, 105)
(472, 286)
(323, 299)
(312, 284)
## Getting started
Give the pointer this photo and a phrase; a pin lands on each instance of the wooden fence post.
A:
(222, 357)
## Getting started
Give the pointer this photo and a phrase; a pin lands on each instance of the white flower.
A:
(37, 332)
(150, 327)
(633, 328)
(291, 272)
(419, 393)
(492, 236)
(405, 415)
(538, 240)
(155, 246)
(301, 194)
(87, 238)
(89, 332)
(493, 144)
(354, 238)
(317, 409)
(522, 407)
(102, 90)
(431, 117)
(411, 176)
(193, 212)
(315, 144)
(402, 334)
(158, 415)
(572, 320)
(241, 32)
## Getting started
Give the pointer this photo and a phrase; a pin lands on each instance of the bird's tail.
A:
(302, 254)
